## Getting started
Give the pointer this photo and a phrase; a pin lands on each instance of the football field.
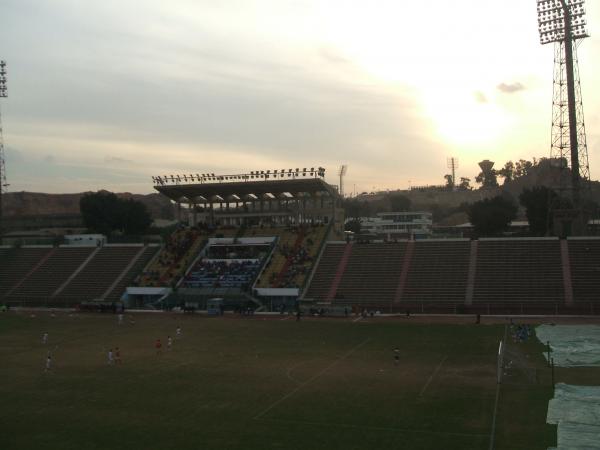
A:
(262, 383)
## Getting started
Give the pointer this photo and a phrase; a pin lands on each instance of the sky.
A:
(106, 94)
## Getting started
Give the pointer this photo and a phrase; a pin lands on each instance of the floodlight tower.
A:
(563, 23)
(342, 173)
(3, 183)
(452, 163)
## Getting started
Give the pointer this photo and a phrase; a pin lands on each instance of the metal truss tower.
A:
(563, 23)
(3, 183)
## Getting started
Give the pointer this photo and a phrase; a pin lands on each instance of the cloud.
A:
(510, 88)
(117, 160)
(331, 56)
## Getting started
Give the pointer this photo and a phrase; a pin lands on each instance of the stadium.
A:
(278, 244)
(341, 343)
(269, 309)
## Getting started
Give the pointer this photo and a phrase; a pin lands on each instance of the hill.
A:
(27, 204)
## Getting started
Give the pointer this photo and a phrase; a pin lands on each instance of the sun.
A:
(463, 117)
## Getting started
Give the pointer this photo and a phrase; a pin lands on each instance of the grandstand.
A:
(69, 275)
(506, 276)
(291, 210)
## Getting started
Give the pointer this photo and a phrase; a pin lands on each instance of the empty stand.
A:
(16, 263)
(518, 271)
(131, 272)
(99, 274)
(325, 271)
(584, 259)
(52, 273)
(372, 275)
(438, 272)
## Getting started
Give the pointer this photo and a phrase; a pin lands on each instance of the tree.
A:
(449, 181)
(355, 208)
(523, 167)
(104, 212)
(538, 203)
(487, 179)
(134, 217)
(465, 184)
(399, 202)
(100, 211)
(507, 172)
(490, 217)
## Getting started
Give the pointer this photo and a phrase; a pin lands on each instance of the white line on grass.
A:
(357, 319)
(294, 367)
(494, 418)
(310, 380)
(431, 377)
(493, 431)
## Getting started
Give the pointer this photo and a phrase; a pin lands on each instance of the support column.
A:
(472, 273)
(566, 272)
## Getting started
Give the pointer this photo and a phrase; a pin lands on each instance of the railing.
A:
(485, 308)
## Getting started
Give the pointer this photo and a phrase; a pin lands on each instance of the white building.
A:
(86, 240)
(399, 225)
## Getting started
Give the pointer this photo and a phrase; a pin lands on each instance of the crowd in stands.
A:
(238, 251)
(172, 260)
(208, 273)
(297, 259)
(298, 256)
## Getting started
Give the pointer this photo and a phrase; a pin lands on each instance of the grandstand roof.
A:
(204, 192)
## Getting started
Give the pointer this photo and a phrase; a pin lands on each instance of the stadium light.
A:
(551, 20)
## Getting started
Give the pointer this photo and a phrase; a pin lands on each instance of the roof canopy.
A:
(212, 192)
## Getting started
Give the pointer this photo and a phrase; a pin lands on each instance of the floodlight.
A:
(552, 23)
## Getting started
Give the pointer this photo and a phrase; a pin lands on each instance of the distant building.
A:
(399, 225)
(85, 239)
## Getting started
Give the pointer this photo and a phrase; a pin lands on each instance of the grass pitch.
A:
(255, 383)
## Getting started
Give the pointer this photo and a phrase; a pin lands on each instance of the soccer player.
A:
(111, 360)
(178, 332)
(48, 363)
(158, 346)
(120, 317)
(45, 338)
(169, 343)
(396, 356)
